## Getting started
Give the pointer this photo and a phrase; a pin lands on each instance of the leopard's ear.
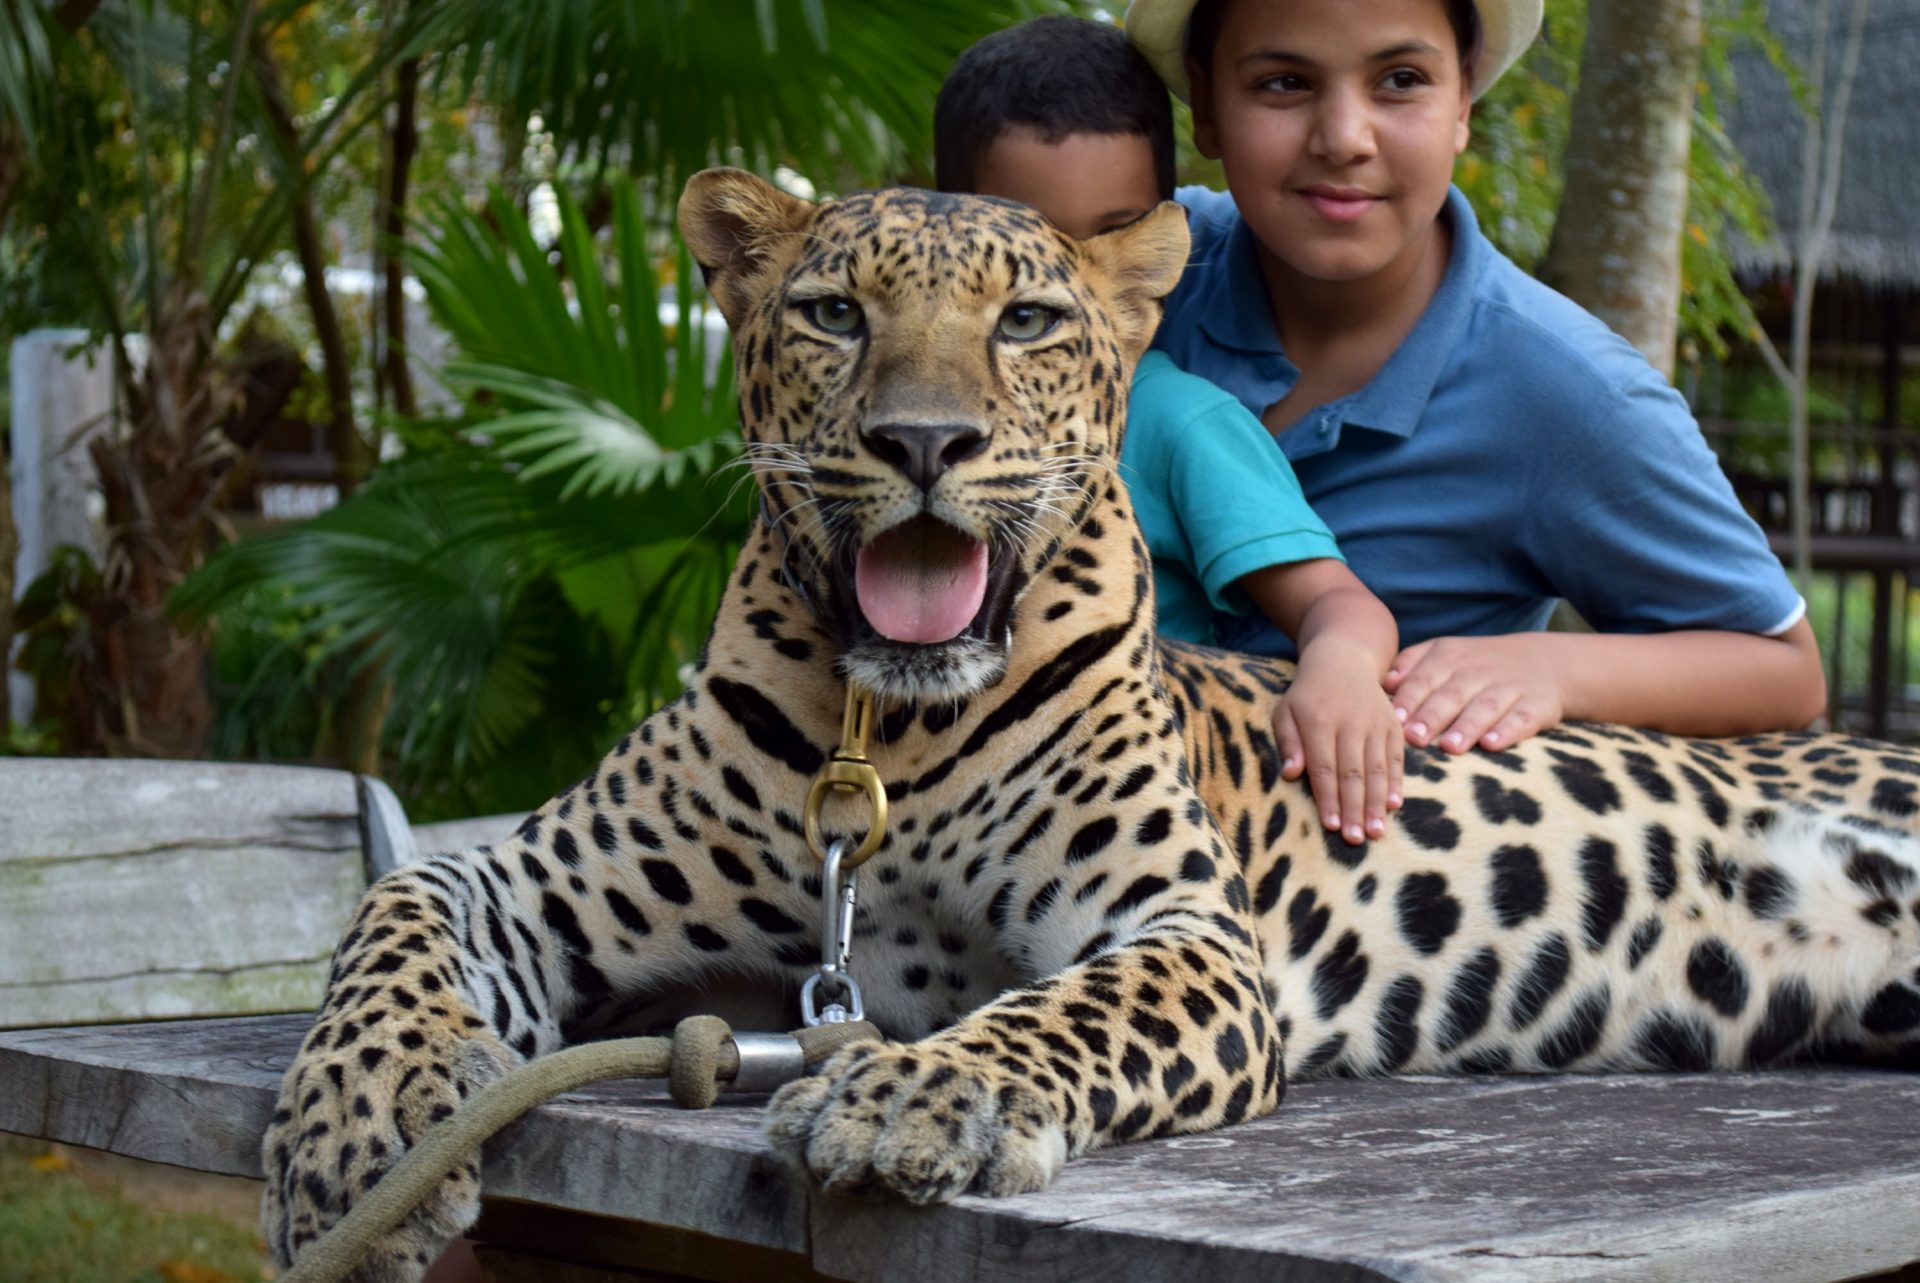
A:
(734, 223)
(1138, 265)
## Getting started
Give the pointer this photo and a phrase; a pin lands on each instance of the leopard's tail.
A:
(1846, 893)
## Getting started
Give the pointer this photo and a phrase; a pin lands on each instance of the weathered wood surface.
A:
(1802, 1175)
(458, 835)
(146, 889)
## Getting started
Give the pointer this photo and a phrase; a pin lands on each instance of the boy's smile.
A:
(1084, 183)
(1337, 124)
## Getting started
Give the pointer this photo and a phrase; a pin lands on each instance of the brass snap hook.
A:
(849, 771)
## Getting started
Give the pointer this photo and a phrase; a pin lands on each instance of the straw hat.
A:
(1158, 29)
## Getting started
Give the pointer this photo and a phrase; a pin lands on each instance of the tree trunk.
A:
(349, 450)
(9, 549)
(1616, 240)
(400, 161)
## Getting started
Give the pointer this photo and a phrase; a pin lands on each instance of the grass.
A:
(60, 1227)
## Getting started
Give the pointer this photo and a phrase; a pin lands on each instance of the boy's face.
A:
(1083, 183)
(1336, 122)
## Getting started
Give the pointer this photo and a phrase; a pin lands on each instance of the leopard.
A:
(1099, 913)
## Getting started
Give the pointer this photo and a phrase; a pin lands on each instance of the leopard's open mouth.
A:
(931, 608)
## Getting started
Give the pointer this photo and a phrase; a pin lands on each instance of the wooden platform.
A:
(1804, 1175)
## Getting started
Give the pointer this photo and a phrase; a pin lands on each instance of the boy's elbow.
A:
(1806, 691)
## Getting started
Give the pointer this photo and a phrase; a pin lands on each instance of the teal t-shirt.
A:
(1214, 498)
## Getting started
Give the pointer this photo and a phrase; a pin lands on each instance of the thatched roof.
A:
(1876, 233)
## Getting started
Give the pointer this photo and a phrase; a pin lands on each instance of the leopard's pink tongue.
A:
(921, 582)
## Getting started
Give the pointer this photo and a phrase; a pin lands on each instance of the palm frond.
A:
(831, 87)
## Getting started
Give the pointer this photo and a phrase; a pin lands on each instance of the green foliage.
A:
(528, 582)
(840, 91)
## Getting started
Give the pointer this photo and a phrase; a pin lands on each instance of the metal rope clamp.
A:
(830, 995)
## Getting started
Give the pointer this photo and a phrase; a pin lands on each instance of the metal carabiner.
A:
(832, 980)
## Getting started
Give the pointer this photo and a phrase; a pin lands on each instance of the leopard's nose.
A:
(922, 452)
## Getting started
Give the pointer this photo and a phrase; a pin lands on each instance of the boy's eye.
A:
(1404, 80)
(835, 315)
(1284, 84)
(1024, 322)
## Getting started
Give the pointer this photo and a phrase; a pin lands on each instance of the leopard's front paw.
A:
(927, 1123)
(355, 1100)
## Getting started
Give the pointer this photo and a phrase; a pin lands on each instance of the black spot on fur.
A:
(1470, 999)
(1426, 821)
(1642, 771)
(1307, 921)
(765, 726)
(1498, 804)
(1584, 781)
(1645, 937)
(1717, 977)
(1579, 1033)
(1663, 875)
(1543, 978)
(667, 881)
(1396, 1028)
(1519, 885)
(1267, 893)
(740, 787)
(1710, 797)
(1338, 975)
(627, 913)
(1427, 915)
(1787, 1023)
(1325, 1054)
(1894, 1010)
(1092, 839)
(1769, 893)
(1605, 902)
(1683, 1043)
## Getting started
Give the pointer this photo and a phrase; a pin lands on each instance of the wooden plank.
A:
(1808, 1174)
(133, 890)
(61, 808)
(458, 835)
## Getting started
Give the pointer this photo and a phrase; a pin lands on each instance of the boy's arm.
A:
(1456, 692)
(1336, 723)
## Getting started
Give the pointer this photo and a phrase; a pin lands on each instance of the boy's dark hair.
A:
(1203, 29)
(1058, 76)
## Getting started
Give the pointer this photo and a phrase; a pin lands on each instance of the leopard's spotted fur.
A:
(1099, 914)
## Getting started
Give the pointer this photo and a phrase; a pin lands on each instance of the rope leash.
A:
(702, 1054)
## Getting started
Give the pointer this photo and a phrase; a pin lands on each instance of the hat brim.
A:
(1158, 29)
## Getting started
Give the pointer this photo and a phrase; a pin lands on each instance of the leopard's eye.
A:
(834, 314)
(1025, 322)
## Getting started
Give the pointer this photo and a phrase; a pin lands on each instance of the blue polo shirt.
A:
(1511, 452)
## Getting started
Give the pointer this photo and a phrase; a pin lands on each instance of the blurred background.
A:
(362, 408)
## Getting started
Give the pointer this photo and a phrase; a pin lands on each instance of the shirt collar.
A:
(1237, 315)
(1394, 400)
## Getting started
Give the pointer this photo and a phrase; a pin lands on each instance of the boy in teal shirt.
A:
(1061, 114)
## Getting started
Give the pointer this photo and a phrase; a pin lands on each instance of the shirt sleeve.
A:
(1636, 526)
(1235, 496)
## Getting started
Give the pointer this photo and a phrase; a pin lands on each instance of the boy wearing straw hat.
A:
(1480, 445)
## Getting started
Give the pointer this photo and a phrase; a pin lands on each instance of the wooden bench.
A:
(139, 890)
(1801, 1175)
(1810, 1174)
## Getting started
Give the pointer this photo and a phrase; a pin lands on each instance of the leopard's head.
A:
(933, 390)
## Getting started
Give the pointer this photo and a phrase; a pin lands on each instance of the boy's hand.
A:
(1337, 726)
(1458, 692)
